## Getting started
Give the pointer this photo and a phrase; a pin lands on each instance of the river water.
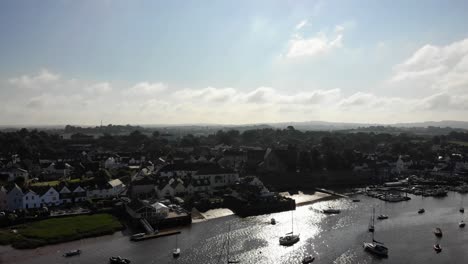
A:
(330, 238)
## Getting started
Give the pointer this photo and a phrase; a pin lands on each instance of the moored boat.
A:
(376, 248)
(290, 238)
(176, 252)
(118, 260)
(382, 217)
(72, 253)
(371, 222)
(331, 211)
(437, 248)
(461, 224)
(421, 211)
(438, 232)
(308, 259)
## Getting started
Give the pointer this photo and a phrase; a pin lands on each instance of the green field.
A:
(461, 143)
(58, 230)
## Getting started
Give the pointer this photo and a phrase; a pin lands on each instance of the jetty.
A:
(156, 235)
(332, 193)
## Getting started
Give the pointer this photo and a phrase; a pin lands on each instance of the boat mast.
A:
(292, 222)
(228, 238)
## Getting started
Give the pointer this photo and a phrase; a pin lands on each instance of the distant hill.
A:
(323, 125)
(444, 123)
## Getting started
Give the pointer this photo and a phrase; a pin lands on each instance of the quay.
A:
(156, 235)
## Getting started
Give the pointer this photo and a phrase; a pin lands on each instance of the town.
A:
(152, 180)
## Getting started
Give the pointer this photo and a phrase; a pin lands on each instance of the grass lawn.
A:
(461, 143)
(56, 230)
(48, 183)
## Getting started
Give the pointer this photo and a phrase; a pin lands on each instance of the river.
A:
(330, 238)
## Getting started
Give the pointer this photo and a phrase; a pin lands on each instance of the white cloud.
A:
(146, 88)
(301, 24)
(435, 67)
(321, 43)
(35, 81)
(99, 88)
(209, 94)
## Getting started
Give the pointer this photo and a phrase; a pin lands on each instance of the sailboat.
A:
(421, 210)
(382, 216)
(376, 247)
(289, 239)
(371, 221)
(176, 251)
(462, 209)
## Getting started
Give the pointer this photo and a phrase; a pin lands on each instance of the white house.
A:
(51, 197)
(31, 200)
(117, 187)
(10, 174)
(218, 177)
(3, 198)
(152, 212)
(14, 197)
(175, 187)
(181, 170)
(112, 189)
(66, 196)
(56, 170)
(79, 194)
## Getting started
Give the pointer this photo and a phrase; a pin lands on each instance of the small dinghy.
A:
(308, 259)
(437, 248)
(72, 253)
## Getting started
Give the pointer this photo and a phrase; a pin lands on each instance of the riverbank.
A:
(305, 199)
(58, 230)
(300, 199)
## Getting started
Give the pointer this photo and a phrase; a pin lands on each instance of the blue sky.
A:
(232, 61)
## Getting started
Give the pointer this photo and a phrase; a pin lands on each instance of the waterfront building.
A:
(3, 198)
(31, 200)
(14, 197)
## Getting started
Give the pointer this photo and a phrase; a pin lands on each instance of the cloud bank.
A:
(47, 97)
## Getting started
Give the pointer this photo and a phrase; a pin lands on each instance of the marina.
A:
(334, 238)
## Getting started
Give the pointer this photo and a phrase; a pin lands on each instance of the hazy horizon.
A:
(156, 62)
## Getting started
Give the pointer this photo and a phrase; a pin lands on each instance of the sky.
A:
(232, 62)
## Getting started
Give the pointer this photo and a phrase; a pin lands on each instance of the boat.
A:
(461, 224)
(308, 259)
(371, 221)
(437, 248)
(273, 221)
(462, 209)
(421, 211)
(382, 217)
(376, 248)
(290, 238)
(438, 232)
(118, 260)
(72, 253)
(137, 236)
(331, 211)
(176, 251)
